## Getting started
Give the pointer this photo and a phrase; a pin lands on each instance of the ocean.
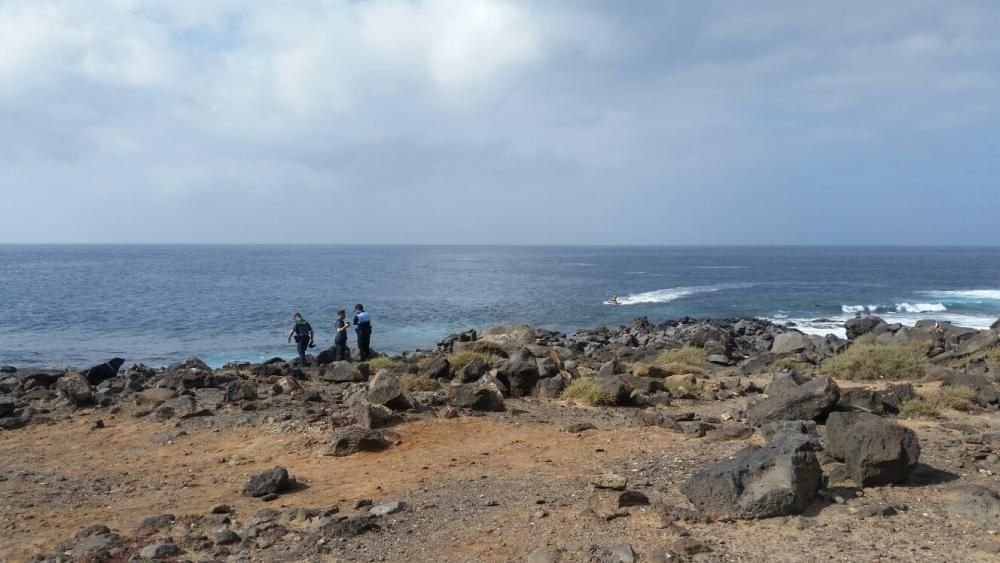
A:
(73, 305)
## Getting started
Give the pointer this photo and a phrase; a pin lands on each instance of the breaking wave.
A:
(859, 308)
(921, 308)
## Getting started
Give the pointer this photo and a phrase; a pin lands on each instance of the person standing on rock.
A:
(340, 340)
(363, 327)
(303, 333)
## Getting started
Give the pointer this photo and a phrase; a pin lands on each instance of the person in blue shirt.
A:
(363, 327)
(340, 340)
(303, 333)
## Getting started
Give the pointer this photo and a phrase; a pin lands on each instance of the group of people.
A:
(304, 337)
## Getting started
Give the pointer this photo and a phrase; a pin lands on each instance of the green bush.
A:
(464, 358)
(380, 363)
(413, 382)
(867, 359)
(586, 391)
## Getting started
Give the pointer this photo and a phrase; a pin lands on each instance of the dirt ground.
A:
(479, 488)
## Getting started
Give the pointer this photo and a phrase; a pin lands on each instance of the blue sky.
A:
(500, 121)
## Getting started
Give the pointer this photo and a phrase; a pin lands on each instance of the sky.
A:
(500, 121)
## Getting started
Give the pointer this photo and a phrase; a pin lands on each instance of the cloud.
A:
(504, 120)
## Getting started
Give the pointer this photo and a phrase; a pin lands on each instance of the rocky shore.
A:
(707, 440)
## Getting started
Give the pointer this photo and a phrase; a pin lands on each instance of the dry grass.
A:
(958, 397)
(380, 363)
(920, 407)
(683, 389)
(586, 391)
(413, 382)
(485, 347)
(866, 359)
(689, 355)
(993, 356)
(464, 358)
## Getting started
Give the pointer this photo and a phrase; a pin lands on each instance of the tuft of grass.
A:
(867, 359)
(464, 358)
(688, 355)
(586, 391)
(485, 347)
(412, 382)
(993, 356)
(920, 407)
(380, 363)
(675, 368)
(956, 397)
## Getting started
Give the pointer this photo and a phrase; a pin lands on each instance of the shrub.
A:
(993, 355)
(485, 347)
(382, 362)
(920, 407)
(586, 391)
(413, 382)
(464, 358)
(958, 397)
(688, 355)
(675, 368)
(867, 359)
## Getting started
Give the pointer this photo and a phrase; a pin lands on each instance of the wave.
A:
(859, 308)
(921, 308)
(967, 294)
(835, 325)
(673, 294)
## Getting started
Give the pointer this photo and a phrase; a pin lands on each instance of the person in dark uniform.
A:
(303, 333)
(363, 327)
(340, 340)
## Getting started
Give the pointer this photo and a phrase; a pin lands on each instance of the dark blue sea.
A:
(74, 305)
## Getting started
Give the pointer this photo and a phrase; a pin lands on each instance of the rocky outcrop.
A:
(272, 481)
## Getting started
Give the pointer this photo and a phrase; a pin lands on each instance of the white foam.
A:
(921, 308)
(967, 294)
(859, 308)
(671, 294)
(835, 325)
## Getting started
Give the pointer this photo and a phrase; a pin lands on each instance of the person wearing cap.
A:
(303, 333)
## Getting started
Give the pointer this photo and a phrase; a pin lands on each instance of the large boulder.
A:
(875, 450)
(612, 367)
(341, 372)
(808, 401)
(614, 386)
(479, 396)
(355, 439)
(518, 373)
(979, 342)
(790, 342)
(473, 370)
(269, 482)
(386, 389)
(780, 478)
(327, 356)
(189, 364)
(437, 367)
(102, 372)
(75, 388)
(863, 325)
(863, 399)
(784, 383)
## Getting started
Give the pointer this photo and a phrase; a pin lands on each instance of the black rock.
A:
(272, 481)
(861, 399)
(985, 391)
(876, 451)
(519, 373)
(241, 390)
(355, 439)
(437, 367)
(386, 389)
(473, 370)
(781, 478)
(480, 396)
(808, 401)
